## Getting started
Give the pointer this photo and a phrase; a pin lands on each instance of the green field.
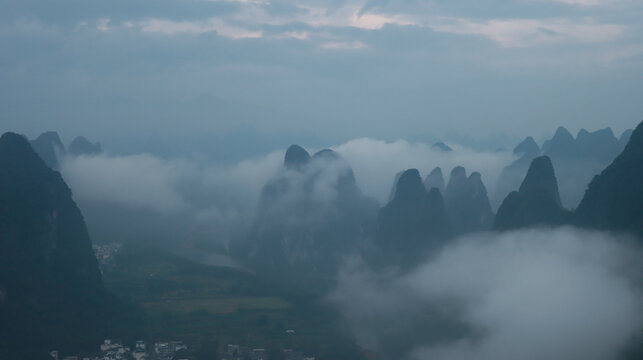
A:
(209, 307)
(216, 305)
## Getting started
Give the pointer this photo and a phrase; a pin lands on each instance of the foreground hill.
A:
(614, 199)
(51, 292)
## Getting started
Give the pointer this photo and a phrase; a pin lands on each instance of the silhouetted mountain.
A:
(614, 199)
(81, 146)
(48, 146)
(527, 146)
(296, 157)
(536, 203)
(576, 161)
(51, 291)
(391, 193)
(561, 145)
(625, 137)
(599, 145)
(310, 216)
(513, 174)
(440, 146)
(457, 181)
(467, 203)
(541, 175)
(435, 179)
(411, 226)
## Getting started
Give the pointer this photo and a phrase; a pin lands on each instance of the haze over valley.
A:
(399, 243)
(321, 180)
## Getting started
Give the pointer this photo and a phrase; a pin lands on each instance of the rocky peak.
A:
(562, 134)
(14, 143)
(527, 147)
(561, 145)
(48, 146)
(467, 203)
(81, 146)
(411, 226)
(346, 184)
(435, 179)
(296, 157)
(597, 145)
(409, 186)
(541, 175)
(475, 182)
(440, 146)
(50, 137)
(457, 180)
(537, 203)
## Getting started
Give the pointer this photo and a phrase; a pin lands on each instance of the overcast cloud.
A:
(334, 70)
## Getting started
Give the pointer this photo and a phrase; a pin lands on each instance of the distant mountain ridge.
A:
(81, 146)
(576, 161)
(49, 146)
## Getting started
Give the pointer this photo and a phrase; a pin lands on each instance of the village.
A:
(169, 350)
(174, 350)
(115, 350)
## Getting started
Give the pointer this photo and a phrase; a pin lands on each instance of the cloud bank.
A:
(148, 182)
(534, 294)
(167, 185)
(376, 162)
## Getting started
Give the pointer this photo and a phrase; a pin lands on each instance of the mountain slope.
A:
(411, 225)
(51, 291)
(48, 146)
(536, 203)
(310, 215)
(614, 198)
(467, 203)
(81, 146)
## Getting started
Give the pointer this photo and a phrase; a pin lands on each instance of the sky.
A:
(255, 75)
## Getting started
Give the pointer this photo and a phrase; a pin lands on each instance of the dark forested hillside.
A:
(614, 199)
(536, 203)
(310, 215)
(411, 225)
(467, 203)
(51, 291)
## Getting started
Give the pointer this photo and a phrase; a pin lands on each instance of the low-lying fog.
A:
(146, 182)
(532, 294)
